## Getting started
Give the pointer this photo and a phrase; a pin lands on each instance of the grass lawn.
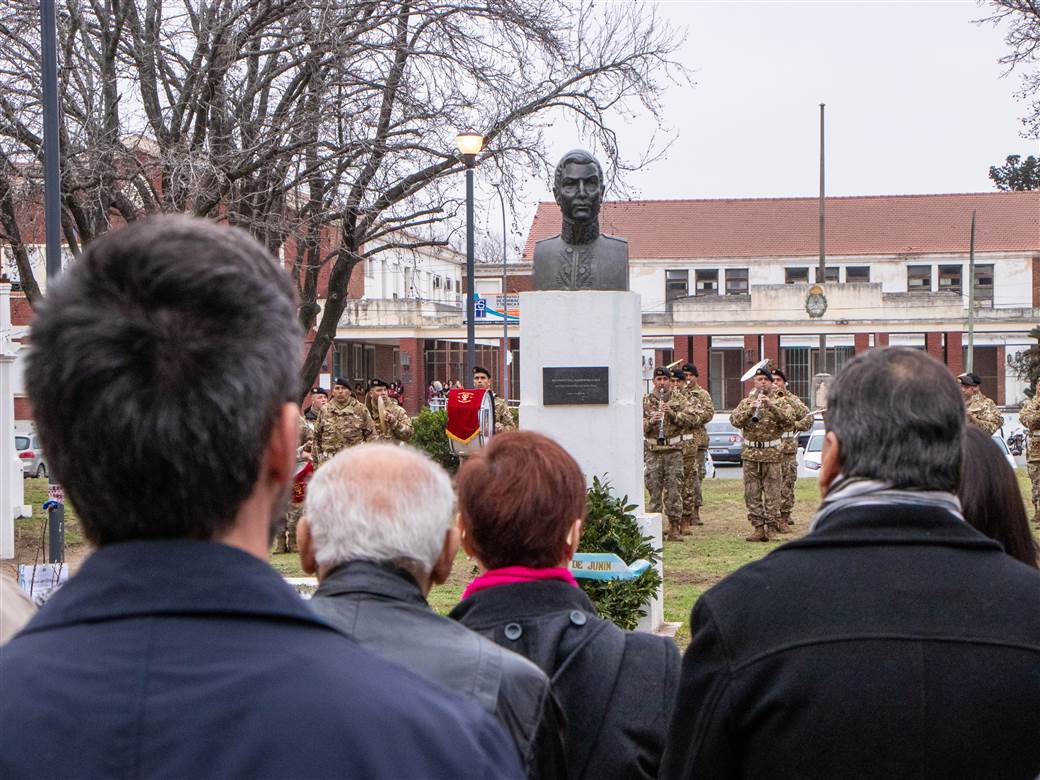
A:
(690, 566)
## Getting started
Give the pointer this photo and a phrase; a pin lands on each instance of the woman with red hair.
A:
(522, 500)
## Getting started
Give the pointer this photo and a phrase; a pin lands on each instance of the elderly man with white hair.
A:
(379, 531)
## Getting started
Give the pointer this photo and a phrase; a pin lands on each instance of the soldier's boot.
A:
(779, 528)
(695, 518)
(785, 524)
(672, 534)
(759, 535)
(280, 544)
(685, 525)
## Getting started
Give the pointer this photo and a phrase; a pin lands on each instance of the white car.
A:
(809, 459)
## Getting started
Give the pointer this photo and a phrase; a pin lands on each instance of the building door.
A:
(726, 367)
(986, 366)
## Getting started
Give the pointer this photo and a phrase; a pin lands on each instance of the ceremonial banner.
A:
(304, 470)
(464, 414)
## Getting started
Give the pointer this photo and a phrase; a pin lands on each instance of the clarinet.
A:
(758, 405)
(660, 404)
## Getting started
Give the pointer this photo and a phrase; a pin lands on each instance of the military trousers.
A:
(1033, 470)
(788, 478)
(693, 473)
(664, 479)
(762, 483)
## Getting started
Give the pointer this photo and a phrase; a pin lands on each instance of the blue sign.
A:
(606, 566)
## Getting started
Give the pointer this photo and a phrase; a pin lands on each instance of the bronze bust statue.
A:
(580, 258)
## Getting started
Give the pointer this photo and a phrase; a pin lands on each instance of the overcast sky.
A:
(916, 102)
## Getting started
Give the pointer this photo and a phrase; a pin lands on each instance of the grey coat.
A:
(382, 608)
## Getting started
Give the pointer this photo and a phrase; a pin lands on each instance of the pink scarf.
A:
(511, 575)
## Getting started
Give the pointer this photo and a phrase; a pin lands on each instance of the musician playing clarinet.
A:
(665, 416)
(762, 418)
(392, 422)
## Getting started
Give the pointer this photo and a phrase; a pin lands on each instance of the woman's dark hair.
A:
(518, 499)
(990, 497)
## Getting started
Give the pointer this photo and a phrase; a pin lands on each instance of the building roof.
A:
(770, 227)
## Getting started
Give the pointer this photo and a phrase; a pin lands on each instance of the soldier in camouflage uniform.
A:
(393, 425)
(761, 453)
(802, 421)
(342, 422)
(285, 530)
(503, 416)
(695, 447)
(1030, 419)
(981, 411)
(664, 415)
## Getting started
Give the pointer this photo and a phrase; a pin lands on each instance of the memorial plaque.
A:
(563, 385)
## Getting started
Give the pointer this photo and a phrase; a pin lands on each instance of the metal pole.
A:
(505, 302)
(969, 364)
(471, 326)
(821, 270)
(52, 216)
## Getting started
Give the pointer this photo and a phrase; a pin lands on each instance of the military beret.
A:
(342, 382)
(662, 371)
(969, 379)
(378, 383)
(780, 374)
(690, 368)
(764, 372)
(481, 370)
(677, 373)
(319, 391)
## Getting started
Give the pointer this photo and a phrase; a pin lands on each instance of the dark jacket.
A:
(891, 642)
(384, 610)
(617, 689)
(193, 659)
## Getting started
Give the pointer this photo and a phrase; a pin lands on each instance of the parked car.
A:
(724, 442)
(803, 436)
(30, 454)
(809, 459)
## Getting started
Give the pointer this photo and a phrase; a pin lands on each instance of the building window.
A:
(436, 282)
(796, 276)
(919, 278)
(857, 274)
(676, 284)
(707, 282)
(736, 281)
(984, 286)
(447, 283)
(950, 278)
(370, 269)
(830, 274)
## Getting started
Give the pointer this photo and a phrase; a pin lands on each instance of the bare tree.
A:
(1023, 39)
(324, 127)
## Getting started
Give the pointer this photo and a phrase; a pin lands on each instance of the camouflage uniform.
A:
(802, 421)
(664, 463)
(984, 413)
(694, 450)
(1030, 419)
(503, 416)
(341, 424)
(761, 457)
(398, 427)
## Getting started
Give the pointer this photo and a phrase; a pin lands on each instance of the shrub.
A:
(428, 435)
(611, 527)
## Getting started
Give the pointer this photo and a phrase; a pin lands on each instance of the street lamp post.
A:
(469, 144)
(505, 303)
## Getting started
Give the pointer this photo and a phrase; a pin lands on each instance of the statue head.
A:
(578, 186)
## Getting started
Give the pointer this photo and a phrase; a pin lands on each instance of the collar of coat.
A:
(881, 523)
(522, 600)
(375, 579)
(339, 407)
(171, 577)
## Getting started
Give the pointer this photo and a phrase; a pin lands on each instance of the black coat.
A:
(383, 609)
(183, 659)
(892, 641)
(617, 688)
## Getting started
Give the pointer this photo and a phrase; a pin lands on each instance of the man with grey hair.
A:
(379, 532)
(893, 640)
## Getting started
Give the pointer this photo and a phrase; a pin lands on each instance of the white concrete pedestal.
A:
(588, 328)
(591, 328)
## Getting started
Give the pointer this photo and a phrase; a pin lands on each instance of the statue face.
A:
(580, 192)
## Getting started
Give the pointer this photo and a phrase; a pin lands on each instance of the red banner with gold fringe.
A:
(464, 414)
